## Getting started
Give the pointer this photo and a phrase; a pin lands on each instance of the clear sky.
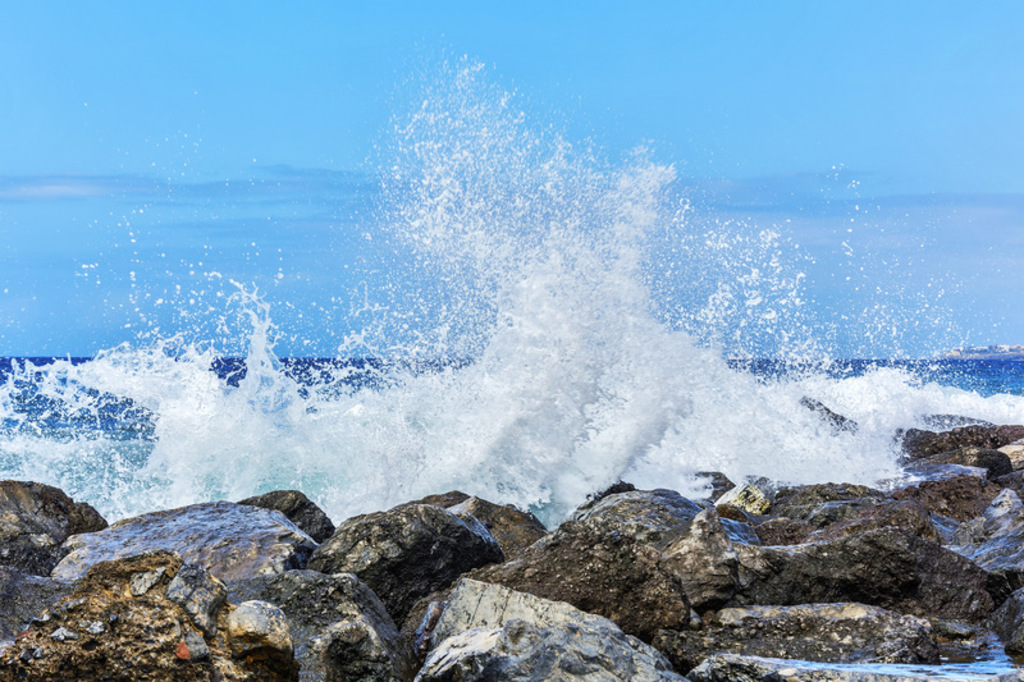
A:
(893, 130)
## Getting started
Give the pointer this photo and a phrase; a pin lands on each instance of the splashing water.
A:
(548, 323)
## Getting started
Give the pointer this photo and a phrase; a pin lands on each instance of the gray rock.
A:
(407, 552)
(340, 628)
(653, 517)
(512, 528)
(200, 594)
(299, 509)
(995, 541)
(232, 541)
(706, 562)
(35, 520)
(738, 668)
(994, 462)
(24, 596)
(1008, 622)
(959, 493)
(521, 651)
(830, 633)
(919, 444)
(258, 628)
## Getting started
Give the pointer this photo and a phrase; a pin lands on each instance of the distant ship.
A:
(999, 352)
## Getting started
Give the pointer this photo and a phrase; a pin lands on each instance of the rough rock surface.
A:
(705, 561)
(23, 596)
(960, 497)
(232, 541)
(407, 552)
(521, 651)
(1008, 622)
(259, 630)
(749, 498)
(995, 541)
(823, 504)
(739, 668)
(994, 462)
(299, 509)
(119, 624)
(1015, 451)
(339, 627)
(918, 443)
(830, 633)
(600, 570)
(653, 517)
(35, 520)
(514, 529)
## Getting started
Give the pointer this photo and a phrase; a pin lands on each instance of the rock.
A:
(825, 503)
(521, 651)
(1015, 451)
(783, 531)
(257, 630)
(918, 443)
(719, 483)
(705, 561)
(22, 597)
(104, 631)
(1008, 622)
(909, 515)
(829, 633)
(340, 629)
(994, 462)
(887, 567)
(443, 500)
(35, 520)
(749, 498)
(299, 509)
(738, 668)
(652, 517)
(960, 497)
(600, 570)
(514, 529)
(995, 541)
(837, 423)
(944, 422)
(200, 594)
(232, 541)
(407, 552)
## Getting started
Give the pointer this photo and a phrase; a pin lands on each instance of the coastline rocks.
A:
(918, 443)
(825, 503)
(258, 631)
(513, 529)
(339, 627)
(407, 552)
(299, 509)
(23, 596)
(119, 624)
(1008, 622)
(995, 541)
(490, 632)
(828, 633)
(652, 517)
(35, 519)
(994, 462)
(232, 541)
(960, 497)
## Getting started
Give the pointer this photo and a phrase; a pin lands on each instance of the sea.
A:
(536, 322)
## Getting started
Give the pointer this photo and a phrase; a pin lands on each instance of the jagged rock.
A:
(823, 504)
(719, 483)
(443, 500)
(653, 517)
(888, 567)
(1008, 622)
(749, 498)
(407, 552)
(339, 627)
(35, 520)
(514, 529)
(299, 509)
(830, 633)
(599, 569)
(1015, 451)
(960, 497)
(909, 515)
(23, 596)
(995, 541)
(200, 594)
(705, 561)
(232, 541)
(738, 668)
(258, 630)
(104, 631)
(521, 651)
(836, 422)
(783, 531)
(994, 462)
(918, 443)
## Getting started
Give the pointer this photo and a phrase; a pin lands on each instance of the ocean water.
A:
(538, 322)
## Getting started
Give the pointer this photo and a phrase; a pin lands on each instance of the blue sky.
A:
(235, 137)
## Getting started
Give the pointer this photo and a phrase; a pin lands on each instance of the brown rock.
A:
(918, 443)
(961, 498)
(299, 509)
(514, 529)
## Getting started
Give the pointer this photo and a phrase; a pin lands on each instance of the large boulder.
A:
(995, 541)
(232, 541)
(489, 632)
(823, 504)
(120, 623)
(918, 443)
(339, 627)
(960, 497)
(705, 561)
(830, 633)
(407, 552)
(299, 509)
(513, 529)
(35, 520)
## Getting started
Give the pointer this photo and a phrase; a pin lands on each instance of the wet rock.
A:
(823, 504)
(200, 594)
(23, 596)
(944, 422)
(299, 509)
(1008, 622)
(35, 520)
(918, 443)
(601, 570)
(909, 515)
(104, 631)
(407, 552)
(443, 500)
(995, 541)
(705, 561)
(783, 531)
(514, 529)
(749, 498)
(257, 630)
(830, 633)
(521, 651)
(960, 497)
(719, 483)
(887, 567)
(652, 517)
(994, 462)
(738, 668)
(837, 423)
(340, 629)
(232, 541)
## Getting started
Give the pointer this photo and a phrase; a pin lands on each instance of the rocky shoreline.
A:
(757, 582)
